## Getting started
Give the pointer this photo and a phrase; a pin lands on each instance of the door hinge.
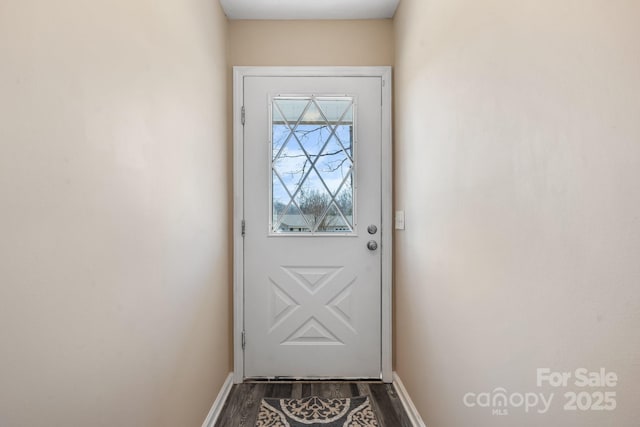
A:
(244, 228)
(242, 115)
(243, 340)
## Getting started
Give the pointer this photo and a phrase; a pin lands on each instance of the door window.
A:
(312, 165)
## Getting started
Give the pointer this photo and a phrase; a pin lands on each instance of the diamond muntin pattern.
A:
(312, 164)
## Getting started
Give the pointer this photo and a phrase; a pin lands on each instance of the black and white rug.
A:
(316, 411)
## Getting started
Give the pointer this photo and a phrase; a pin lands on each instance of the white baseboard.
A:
(412, 412)
(215, 410)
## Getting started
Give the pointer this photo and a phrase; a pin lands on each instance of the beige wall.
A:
(113, 217)
(273, 43)
(518, 165)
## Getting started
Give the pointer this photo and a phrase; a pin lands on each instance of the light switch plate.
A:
(399, 220)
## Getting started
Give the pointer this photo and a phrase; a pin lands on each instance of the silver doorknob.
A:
(372, 245)
(372, 229)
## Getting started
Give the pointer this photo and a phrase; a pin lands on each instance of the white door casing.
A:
(313, 304)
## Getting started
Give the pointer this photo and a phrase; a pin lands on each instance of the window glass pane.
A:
(312, 165)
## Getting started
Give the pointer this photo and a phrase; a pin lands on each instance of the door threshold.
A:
(310, 380)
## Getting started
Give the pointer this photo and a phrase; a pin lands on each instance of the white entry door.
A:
(313, 226)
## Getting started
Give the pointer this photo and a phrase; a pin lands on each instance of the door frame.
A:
(386, 247)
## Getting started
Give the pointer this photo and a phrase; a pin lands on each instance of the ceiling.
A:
(309, 9)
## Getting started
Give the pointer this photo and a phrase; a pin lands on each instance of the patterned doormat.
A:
(316, 411)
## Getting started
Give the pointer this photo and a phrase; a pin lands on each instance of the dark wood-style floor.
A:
(241, 407)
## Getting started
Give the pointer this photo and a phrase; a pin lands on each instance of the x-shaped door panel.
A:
(311, 305)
